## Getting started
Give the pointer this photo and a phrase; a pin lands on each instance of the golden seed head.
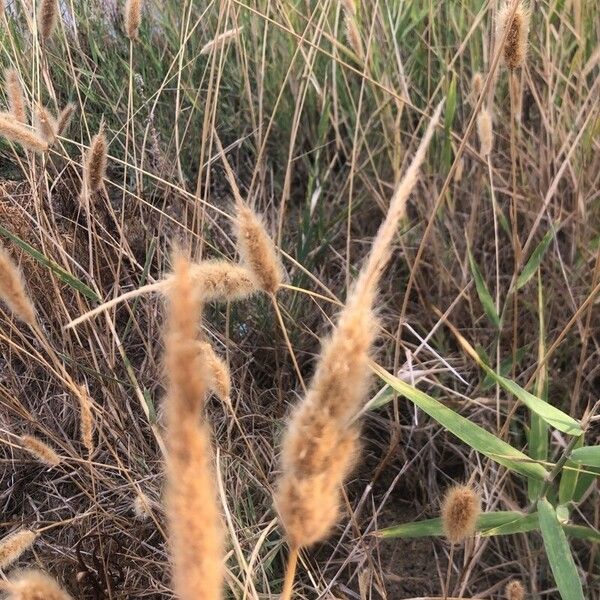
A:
(34, 585)
(15, 131)
(514, 590)
(485, 131)
(40, 450)
(64, 118)
(133, 18)
(46, 125)
(12, 289)
(222, 280)
(217, 371)
(96, 161)
(460, 509)
(86, 419)
(47, 17)
(476, 88)
(14, 545)
(515, 46)
(14, 92)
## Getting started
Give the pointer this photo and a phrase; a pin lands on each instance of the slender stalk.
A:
(290, 573)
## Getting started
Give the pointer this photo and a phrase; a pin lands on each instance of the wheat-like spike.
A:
(353, 35)
(460, 509)
(485, 131)
(222, 280)
(12, 290)
(515, 46)
(321, 439)
(86, 419)
(133, 18)
(219, 378)
(15, 131)
(47, 18)
(476, 88)
(14, 545)
(31, 584)
(40, 450)
(196, 534)
(257, 249)
(514, 590)
(46, 125)
(14, 92)
(64, 118)
(95, 162)
(221, 39)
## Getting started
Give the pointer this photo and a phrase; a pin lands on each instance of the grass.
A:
(317, 136)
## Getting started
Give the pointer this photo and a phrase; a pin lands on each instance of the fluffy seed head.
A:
(514, 590)
(196, 536)
(219, 378)
(95, 162)
(460, 509)
(141, 506)
(86, 419)
(34, 585)
(221, 280)
(515, 47)
(17, 132)
(133, 18)
(257, 250)
(64, 118)
(353, 35)
(14, 92)
(40, 450)
(47, 17)
(485, 131)
(476, 87)
(46, 125)
(13, 546)
(12, 289)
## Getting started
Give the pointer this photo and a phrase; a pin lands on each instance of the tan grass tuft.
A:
(14, 545)
(217, 371)
(12, 289)
(95, 162)
(46, 125)
(34, 585)
(133, 18)
(476, 88)
(196, 535)
(64, 118)
(515, 47)
(142, 506)
(14, 92)
(514, 590)
(485, 131)
(47, 18)
(15, 131)
(221, 280)
(257, 250)
(353, 35)
(460, 509)
(40, 450)
(86, 419)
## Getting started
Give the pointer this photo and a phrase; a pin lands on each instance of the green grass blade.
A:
(65, 277)
(475, 436)
(559, 553)
(534, 260)
(587, 455)
(568, 478)
(581, 532)
(484, 295)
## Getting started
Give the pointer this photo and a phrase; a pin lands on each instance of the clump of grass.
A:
(14, 545)
(257, 249)
(133, 18)
(40, 450)
(514, 590)
(460, 509)
(46, 125)
(33, 585)
(95, 163)
(14, 92)
(13, 291)
(47, 18)
(515, 46)
(196, 535)
(15, 131)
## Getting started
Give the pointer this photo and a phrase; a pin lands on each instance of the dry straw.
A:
(514, 51)
(64, 118)
(14, 92)
(196, 534)
(34, 585)
(15, 131)
(322, 437)
(47, 18)
(133, 18)
(86, 419)
(12, 290)
(221, 39)
(14, 545)
(95, 162)
(46, 125)
(460, 509)
(40, 450)
(514, 590)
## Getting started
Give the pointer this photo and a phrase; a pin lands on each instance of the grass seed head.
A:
(14, 545)
(257, 250)
(514, 51)
(47, 18)
(64, 118)
(476, 88)
(46, 125)
(514, 590)
(460, 509)
(16, 132)
(86, 419)
(485, 131)
(133, 18)
(34, 585)
(95, 162)
(40, 450)
(222, 280)
(219, 378)
(14, 92)
(12, 289)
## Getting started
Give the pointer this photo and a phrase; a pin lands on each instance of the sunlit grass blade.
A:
(534, 260)
(484, 295)
(559, 553)
(586, 455)
(475, 436)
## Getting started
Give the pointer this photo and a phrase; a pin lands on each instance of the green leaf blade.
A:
(586, 455)
(534, 260)
(484, 295)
